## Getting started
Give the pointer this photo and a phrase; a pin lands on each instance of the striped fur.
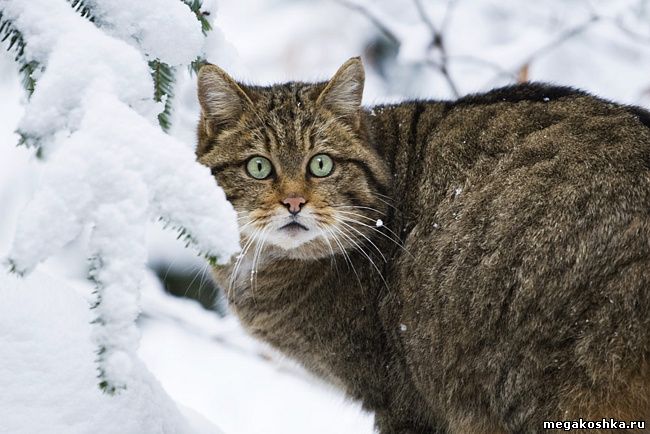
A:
(509, 282)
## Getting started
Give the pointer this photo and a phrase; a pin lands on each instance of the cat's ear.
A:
(222, 100)
(343, 92)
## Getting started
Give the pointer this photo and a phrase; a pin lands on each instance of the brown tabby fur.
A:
(518, 288)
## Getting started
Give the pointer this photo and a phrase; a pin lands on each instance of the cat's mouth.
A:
(294, 225)
(282, 230)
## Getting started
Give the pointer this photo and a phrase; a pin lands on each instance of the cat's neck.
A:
(269, 273)
(395, 129)
(401, 134)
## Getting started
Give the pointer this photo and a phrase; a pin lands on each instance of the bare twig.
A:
(446, 19)
(436, 36)
(501, 71)
(638, 37)
(442, 69)
(425, 19)
(561, 39)
(383, 28)
(437, 42)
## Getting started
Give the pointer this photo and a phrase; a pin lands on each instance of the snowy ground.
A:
(209, 365)
(217, 375)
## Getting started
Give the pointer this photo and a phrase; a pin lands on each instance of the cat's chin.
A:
(297, 243)
(292, 236)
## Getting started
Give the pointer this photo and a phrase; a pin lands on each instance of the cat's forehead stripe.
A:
(287, 117)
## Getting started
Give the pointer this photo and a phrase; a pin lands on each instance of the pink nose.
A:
(294, 204)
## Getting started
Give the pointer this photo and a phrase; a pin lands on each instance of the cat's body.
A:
(519, 289)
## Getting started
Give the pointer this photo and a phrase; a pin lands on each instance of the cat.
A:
(471, 266)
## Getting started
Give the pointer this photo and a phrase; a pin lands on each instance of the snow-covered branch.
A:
(108, 167)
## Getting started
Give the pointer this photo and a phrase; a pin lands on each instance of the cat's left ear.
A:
(343, 92)
(223, 101)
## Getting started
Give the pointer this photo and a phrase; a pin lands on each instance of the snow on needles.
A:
(147, 24)
(48, 375)
(109, 168)
(77, 55)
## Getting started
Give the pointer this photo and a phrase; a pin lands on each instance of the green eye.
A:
(321, 165)
(259, 167)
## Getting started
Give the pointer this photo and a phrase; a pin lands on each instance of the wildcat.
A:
(475, 266)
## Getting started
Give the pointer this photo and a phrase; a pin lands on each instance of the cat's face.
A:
(294, 160)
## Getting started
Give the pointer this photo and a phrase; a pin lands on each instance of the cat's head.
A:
(294, 160)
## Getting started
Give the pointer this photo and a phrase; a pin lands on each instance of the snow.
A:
(147, 24)
(60, 38)
(51, 387)
(112, 180)
(217, 375)
(209, 364)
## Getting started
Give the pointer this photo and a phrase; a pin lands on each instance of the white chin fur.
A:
(287, 238)
(292, 238)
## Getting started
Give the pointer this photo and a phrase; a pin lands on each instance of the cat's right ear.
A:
(343, 92)
(222, 100)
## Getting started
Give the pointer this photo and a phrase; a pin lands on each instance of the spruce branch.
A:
(163, 81)
(201, 15)
(26, 68)
(95, 265)
(82, 9)
(16, 42)
(164, 75)
(197, 64)
(161, 73)
(186, 237)
(12, 268)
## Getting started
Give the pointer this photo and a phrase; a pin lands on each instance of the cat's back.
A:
(528, 210)
(436, 146)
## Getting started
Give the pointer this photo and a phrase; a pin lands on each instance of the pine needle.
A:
(16, 42)
(163, 79)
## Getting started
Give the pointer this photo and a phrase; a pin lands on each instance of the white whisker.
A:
(358, 207)
(256, 256)
(377, 196)
(349, 237)
(397, 240)
(373, 228)
(333, 257)
(345, 255)
(233, 274)
(365, 237)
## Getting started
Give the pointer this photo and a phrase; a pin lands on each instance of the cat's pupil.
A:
(259, 166)
(320, 163)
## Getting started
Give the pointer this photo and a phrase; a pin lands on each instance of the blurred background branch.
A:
(401, 30)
